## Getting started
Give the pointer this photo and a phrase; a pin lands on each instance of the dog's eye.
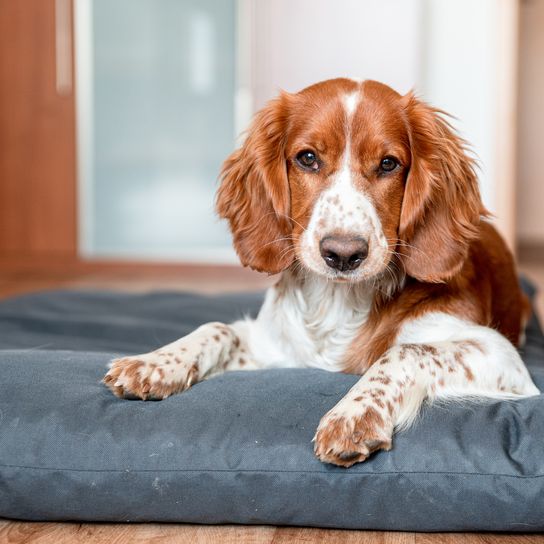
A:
(308, 160)
(388, 164)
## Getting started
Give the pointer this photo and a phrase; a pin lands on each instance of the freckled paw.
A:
(138, 378)
(344, 441)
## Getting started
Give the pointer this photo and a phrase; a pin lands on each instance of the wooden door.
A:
(37, 131)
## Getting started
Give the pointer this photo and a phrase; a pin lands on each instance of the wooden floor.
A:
(207, 281)
(87, 533)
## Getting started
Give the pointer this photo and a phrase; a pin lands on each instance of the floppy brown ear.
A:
(254, 192)
(442, 207)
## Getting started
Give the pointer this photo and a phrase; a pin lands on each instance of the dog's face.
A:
(347, 154)
(345, 177)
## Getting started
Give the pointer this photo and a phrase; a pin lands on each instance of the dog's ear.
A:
(441, 209)
(254, 192)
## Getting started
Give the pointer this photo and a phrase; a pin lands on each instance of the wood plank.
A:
(40, 266)
(37, 131)
(478, 538)
(288, 535)
(16, 532)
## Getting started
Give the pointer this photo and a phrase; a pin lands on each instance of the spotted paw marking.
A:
(344, 440)
(150, 376)
(175, 367)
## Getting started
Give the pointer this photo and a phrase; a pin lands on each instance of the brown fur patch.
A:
(459, 358)
(390, 408)
(377, 393)
(472, 344)
(385, 380)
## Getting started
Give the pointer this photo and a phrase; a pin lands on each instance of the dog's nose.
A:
(343, 253)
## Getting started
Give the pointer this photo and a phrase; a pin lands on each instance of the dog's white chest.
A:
(310, 324)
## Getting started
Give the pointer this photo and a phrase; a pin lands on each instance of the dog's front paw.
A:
(345, 439)
(150, 376)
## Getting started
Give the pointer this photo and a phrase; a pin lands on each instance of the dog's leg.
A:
(210, 349)
(461, 360)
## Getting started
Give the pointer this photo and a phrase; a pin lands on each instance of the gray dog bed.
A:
(236, 448)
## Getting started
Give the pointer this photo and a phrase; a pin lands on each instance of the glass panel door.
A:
(156, 94)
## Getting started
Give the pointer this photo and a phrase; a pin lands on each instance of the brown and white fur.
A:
(368, 205)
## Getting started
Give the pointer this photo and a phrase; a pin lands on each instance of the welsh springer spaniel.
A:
(368, 205)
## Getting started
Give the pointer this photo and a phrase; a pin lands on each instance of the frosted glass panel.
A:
(161, 121)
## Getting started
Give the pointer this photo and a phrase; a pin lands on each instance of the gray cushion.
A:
(235, 448)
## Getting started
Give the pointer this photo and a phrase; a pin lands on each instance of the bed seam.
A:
(264, 471)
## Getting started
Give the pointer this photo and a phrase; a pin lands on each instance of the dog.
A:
(367, 204)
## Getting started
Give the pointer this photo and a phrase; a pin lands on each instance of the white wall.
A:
(530, 173)
(469, 70)
(458, 72)
(299, 42)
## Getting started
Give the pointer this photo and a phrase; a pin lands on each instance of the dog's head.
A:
(346, 177)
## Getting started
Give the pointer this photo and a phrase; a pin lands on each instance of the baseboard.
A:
(530, 252)
(46, 265)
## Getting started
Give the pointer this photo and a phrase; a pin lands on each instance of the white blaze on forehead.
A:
(350, 103)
